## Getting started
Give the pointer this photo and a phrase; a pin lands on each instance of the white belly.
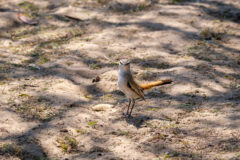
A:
(122, 84)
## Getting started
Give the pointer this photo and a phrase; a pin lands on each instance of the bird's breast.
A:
(121, 81)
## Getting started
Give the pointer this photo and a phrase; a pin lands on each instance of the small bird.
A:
(130, 88)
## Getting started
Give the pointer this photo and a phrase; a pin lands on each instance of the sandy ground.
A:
(48, 99)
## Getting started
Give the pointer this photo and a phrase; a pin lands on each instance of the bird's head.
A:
(124, 64)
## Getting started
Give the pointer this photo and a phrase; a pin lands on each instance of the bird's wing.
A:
(135, 88)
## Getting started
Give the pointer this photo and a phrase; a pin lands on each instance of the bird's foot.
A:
(130, 116)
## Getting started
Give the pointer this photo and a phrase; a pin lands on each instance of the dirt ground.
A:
(50, 108)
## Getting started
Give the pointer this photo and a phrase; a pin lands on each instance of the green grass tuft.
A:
(81, 131)
(68, 144)
(43, 59)
(95, 66)
(92, 123)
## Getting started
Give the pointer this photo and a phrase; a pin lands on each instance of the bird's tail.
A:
(153, 84)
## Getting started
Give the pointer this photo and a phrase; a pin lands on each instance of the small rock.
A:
(7, 43)
(102, 107)
(34, 66)
(26, 19)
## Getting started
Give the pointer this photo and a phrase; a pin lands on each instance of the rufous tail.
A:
(153, 84)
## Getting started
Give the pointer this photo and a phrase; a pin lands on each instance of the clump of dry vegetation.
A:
(95, 66)
(28, 6)
(203, 50)
(34, 107)
(129, 8)
(212, 33)
(11, 149)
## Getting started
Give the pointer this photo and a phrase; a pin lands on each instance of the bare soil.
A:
(50, 108)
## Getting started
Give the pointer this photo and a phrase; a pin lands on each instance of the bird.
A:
(130, 88)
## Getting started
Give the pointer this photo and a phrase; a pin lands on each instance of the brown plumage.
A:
(130, 88)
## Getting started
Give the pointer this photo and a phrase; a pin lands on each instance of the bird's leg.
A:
(128, 105)
(133, 104)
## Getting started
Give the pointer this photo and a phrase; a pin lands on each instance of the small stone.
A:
(34, 66)
(7, 43)
(102, 107)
